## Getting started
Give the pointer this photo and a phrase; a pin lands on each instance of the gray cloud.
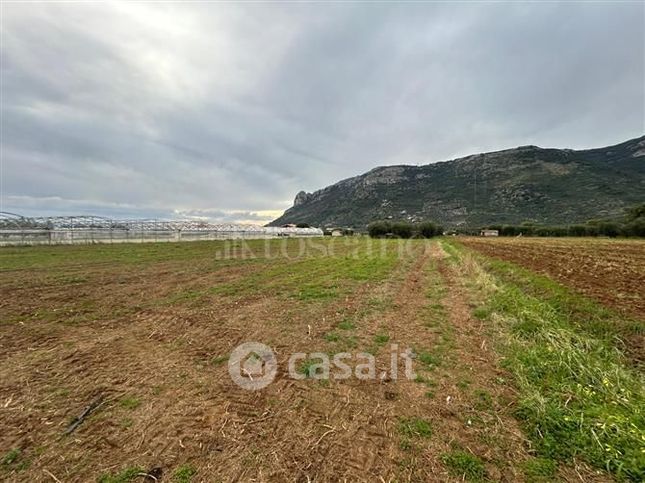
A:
(226, 111)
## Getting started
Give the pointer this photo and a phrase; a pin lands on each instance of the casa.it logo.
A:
(252, 366)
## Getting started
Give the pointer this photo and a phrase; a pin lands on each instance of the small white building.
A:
(489, 233)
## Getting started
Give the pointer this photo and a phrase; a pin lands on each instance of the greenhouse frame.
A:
(21, 230)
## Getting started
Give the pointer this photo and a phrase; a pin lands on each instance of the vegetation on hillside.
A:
(543, 186)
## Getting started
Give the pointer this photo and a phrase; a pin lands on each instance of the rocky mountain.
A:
(528, 183)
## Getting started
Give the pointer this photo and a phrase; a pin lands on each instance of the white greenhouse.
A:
(20, 230)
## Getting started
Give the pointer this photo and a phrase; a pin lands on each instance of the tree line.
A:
(631, 225)
(403, 229)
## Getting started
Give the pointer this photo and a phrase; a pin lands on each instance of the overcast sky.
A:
(227, 111)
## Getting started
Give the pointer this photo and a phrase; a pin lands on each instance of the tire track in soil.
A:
(345, 432)
(371, 446)
(490, 433)
(374, 449)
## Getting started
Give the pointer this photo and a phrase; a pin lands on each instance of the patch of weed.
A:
(184, 296)
(348, 342)
(219, 360)
(406, 444)
(71, 279)
(540, 469)
(428, 359)
(125, 476)
(62, 392)
(465, 465)
(15, 460)
(11, 457)
(463, 383)
(332, 337)
(346, 324)
(526, 328)
(483, 400)
(307, 367)
(381, 339)
(130, 402)
(184, 474)
(472, 419)
(415, 427)
(317, 293)
(482, 313)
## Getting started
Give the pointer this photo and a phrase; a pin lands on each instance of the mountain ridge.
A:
(525, 183)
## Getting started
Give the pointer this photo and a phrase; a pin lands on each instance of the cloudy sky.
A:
(226, 111)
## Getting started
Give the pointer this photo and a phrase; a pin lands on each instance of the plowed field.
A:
(611, 271)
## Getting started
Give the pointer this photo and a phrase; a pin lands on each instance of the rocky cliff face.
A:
(527, 183)
(301, 198)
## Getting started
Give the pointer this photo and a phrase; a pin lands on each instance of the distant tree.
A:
(402, 229)
(428, 229)
(527, 228)
(379, 229)
(635, 227)
(609, 229)
(577, 230)
(510, 230)
(591, 230)
(303, 225)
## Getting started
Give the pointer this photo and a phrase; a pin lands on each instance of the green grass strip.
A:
(578, 395)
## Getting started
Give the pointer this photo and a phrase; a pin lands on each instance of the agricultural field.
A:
(116, 363)
(610, 271)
